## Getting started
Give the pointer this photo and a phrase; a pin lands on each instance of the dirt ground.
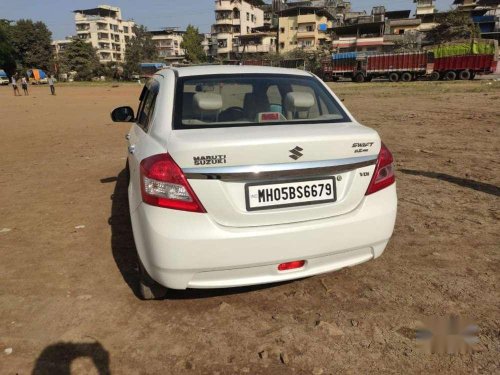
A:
(67, 262)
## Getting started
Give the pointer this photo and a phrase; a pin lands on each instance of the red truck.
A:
(461, 67)
(361, 67)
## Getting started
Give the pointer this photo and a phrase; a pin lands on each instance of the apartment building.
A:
(105, 28)
(209, 44)
(304, 27)
(58, 46)
(427, 12)
(485, 14)
(259, 42)
(168, 43)
(377, 32)
(233, 19)
(424, 7)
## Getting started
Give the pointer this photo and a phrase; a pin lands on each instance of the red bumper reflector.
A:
(291, 265)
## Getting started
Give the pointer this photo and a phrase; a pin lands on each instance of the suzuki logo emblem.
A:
(296, 153)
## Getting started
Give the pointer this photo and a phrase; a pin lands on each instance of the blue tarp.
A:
(344, 56)
(3, 74)
(37, 74)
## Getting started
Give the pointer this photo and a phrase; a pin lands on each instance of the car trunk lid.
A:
(222, 164)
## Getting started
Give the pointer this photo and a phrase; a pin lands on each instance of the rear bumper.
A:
(189, 250)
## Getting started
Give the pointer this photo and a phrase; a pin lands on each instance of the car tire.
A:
(435, 76)
(394, 77)
(450, 75)
(406, 77)
(464, 75)
(148, 288)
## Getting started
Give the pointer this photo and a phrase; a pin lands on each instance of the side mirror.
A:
(123, 114)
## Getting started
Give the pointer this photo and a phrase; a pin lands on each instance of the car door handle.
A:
(131, 149)
(127, 137)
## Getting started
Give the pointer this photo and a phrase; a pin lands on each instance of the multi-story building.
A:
(259, 42)
(235, 18)
(427, 12)
(168, 43)
(377, 32)
(485, 14)
(425, 7)
(209, 44)
(106, 30)
(58, 46)
(304, 27)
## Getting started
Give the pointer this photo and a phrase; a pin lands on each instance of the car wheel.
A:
(148, 288)
(394, 77)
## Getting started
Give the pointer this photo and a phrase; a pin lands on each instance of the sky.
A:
(155, 14)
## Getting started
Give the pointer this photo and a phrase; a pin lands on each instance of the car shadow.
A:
(56, 359)
(464, 182)
(125, 253)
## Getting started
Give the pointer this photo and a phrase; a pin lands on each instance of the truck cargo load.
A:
(473, 47)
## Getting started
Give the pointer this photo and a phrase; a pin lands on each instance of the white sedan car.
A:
(251, 175)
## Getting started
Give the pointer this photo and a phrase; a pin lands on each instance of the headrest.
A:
(299, 101)
(208, 101)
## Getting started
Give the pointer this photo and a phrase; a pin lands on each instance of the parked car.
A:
(4, 79)
(251, 175)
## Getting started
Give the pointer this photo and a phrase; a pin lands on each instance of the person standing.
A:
(51, 84)
(14, 86)
(24, 84)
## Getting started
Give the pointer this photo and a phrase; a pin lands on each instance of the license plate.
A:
(262, 196)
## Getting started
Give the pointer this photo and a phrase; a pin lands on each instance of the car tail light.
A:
(163, 184)
(291, 265)
(384, 172)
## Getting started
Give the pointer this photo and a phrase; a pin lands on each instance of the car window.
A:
(147, 105)
(252, 100)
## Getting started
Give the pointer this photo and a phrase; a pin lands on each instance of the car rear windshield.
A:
(252, 100)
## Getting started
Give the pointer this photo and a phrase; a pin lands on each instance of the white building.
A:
(58, 46)
(106, 30)
(168, 43)
(234, 18)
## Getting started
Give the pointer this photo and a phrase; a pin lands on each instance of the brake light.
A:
(384, 172)
(291, 265)
(163, 184)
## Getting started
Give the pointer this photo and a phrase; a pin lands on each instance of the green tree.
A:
(7, 60)
(31, 44)
(191, 43)
(81, 57)
(139, 49)
(454, 25)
